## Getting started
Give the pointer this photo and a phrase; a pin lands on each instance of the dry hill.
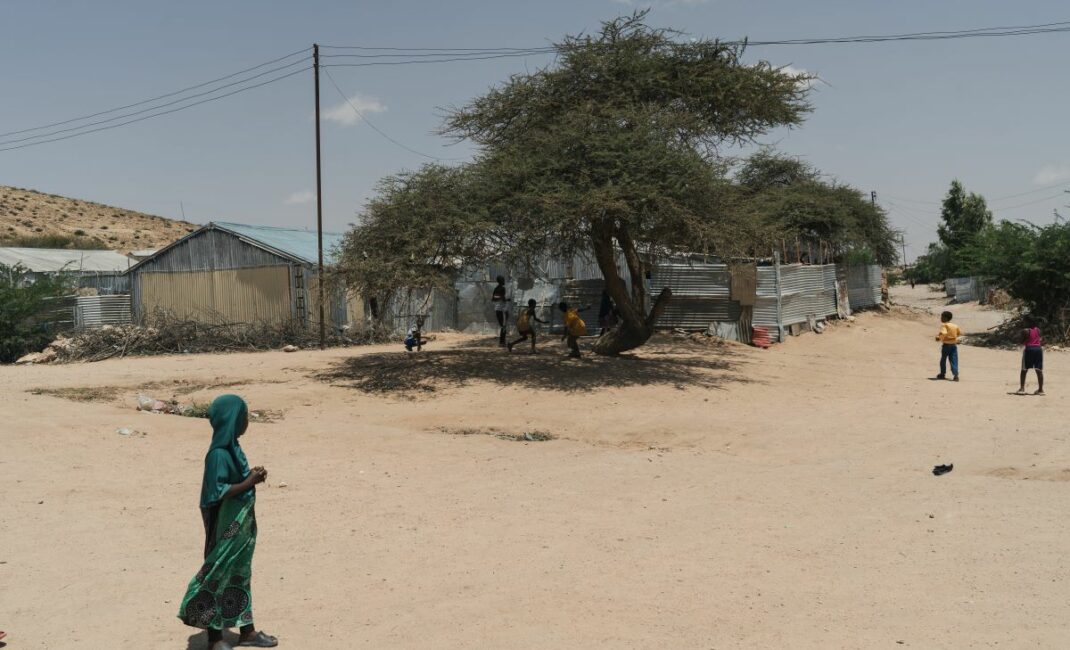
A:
(30, 218)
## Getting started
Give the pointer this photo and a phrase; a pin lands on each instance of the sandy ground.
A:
(696, 497)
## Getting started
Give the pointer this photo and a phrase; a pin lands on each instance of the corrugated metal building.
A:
(104, 271)
(237, 273)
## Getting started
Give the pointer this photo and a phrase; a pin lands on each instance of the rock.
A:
(290, 348)
(283, 484)
(29, 358)
(47, 356)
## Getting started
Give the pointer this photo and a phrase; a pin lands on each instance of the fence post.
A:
(779, 301)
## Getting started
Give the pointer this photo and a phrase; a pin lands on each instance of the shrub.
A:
(23, 305)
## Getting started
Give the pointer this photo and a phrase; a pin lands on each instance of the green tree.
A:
(934, 265)
(964, 217)
(1031, 262)
(420, 226)
(23, 303)
(791, 200)
(615, 148)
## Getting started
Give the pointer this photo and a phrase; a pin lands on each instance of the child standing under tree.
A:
(574, 329)
(949, 351)
(501, 309)
(525, 325)
(1032, 356)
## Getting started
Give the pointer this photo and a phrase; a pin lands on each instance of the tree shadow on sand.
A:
(681, 364)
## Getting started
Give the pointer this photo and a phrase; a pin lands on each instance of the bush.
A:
(23, 303)
(55, 241)
(1032, 263)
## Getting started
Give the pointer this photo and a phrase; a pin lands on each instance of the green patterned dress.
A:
(219, 596)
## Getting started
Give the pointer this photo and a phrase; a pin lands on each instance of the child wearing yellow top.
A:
(949, 337)
(574, 329)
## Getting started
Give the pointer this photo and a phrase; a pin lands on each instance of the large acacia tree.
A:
(615, 148)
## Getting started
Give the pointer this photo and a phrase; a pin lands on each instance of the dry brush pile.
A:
(166, 334)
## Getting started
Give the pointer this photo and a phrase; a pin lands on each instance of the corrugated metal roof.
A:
(51, 260)
(300, 244)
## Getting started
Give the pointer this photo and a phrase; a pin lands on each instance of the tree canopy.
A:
(616, 147)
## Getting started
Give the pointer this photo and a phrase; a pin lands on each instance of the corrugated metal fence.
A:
(782, 295)
(965, 289)
(864, 286)
(86, 312)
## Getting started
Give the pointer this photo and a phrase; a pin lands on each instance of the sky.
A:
(901, 119)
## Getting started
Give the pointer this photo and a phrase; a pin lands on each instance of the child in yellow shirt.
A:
(574, 329)
(949, 337)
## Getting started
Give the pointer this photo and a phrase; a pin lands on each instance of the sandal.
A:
(261, 640)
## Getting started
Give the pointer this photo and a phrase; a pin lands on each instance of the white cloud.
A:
(300, 198)
(344, 114)
(792, 70)
(1051, 174)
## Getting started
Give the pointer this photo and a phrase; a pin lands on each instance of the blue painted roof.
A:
(300, 244)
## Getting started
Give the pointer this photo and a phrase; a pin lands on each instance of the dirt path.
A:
(971, 317)
(696, 497)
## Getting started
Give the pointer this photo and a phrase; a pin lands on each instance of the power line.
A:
(1022, 205)
(167, 112)
(375, 128)
(983, 32)
(989, 201)
(978, 32)
(1039, 189)
(159, 97)
(156, 107)
(460, 55)
(417, 61)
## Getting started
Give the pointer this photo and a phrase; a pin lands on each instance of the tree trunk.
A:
(635, 327)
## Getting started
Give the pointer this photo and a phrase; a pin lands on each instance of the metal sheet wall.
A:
(211, 250)
(86, 312)
(248, 295)
(963, 289)
(701, 294)
(437, 306)
(97, 311)
(864, 286)
(805, 290)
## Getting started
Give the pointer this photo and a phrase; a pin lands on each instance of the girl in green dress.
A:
(219, 596)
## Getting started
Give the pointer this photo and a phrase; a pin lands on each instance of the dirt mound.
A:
(34, 219)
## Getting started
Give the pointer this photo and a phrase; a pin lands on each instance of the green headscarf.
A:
(225, 463)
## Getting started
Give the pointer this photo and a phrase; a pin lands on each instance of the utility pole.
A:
(903, 241)
(873, 197)
(319, 198)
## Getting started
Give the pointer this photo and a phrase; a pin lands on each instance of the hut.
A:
(94, 271)
(237, 273)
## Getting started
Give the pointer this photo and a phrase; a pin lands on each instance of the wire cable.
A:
(413, 62)
(153, 108)
(167, 112)
(153, 99)
(977, 32)
(377, 129)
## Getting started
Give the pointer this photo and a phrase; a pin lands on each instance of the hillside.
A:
(29, 215)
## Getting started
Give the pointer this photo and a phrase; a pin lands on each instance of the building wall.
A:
(210, 250)
(248, 295)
